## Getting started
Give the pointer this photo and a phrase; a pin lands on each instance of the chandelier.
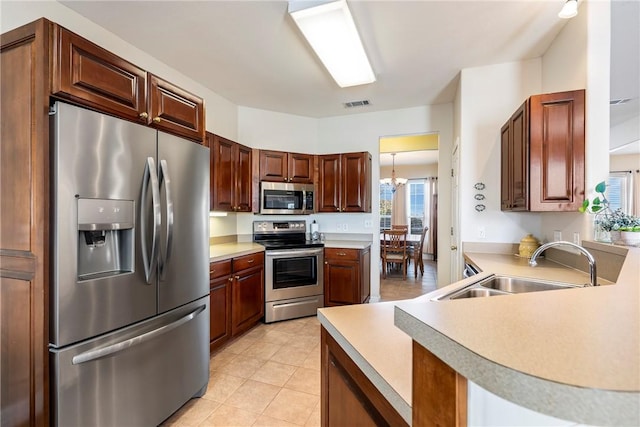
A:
(394, 180)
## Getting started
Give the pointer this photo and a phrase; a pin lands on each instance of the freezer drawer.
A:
(137, 376)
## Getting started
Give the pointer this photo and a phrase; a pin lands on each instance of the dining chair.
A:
(395, 251)
(415, 253)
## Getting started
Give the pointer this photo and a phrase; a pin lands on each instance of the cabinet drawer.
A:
(219, 269)
(340, 253)
(248, 261)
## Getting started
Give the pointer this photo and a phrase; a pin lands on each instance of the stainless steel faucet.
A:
(592, 261)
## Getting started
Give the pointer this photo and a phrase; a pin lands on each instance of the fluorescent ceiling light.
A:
(331, 32)
(569, 10)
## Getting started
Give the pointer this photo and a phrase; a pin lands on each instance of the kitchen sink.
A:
(518, 285)
(504, 285)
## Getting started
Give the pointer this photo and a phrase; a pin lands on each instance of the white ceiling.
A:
(251, 52)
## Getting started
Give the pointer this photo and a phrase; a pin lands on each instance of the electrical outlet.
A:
(339, 227)
(482, 233)
(557, 235)
(576, 238)
(367, 223)
(345, 227)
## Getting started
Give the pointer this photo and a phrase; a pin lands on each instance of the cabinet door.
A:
(356, 179)
(505, 167)
(273, 166)
(223, 153)
(519, 157)
(301, 168)
(90, 75)
(175, 110)
(220, 305)
(243, 179)
(557, 151)
(24, 226)
(329, 183)
(341, 282)
(247, 306)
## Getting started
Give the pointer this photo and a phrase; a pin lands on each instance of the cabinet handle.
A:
(341, 253)
(250, 261)
(237, 277)
(143, 115)
(157, 120)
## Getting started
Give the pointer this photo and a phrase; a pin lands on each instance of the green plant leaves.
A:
(601, 187)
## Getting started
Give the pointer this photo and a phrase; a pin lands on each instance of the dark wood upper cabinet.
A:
(231, 175)
(280, 166)
(175, 110)
(543, 154)
(344, 182)
(87, 74)
(93, 76)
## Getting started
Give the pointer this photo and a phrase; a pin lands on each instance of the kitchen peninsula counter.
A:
(224, 251)
(573, 354)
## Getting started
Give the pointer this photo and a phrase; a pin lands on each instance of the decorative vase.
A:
(528, 246)
(616, 237)
(600, 223)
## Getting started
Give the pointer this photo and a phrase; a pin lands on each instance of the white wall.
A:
(221, 115)
(625, 132)
(410, 171)
(579, 58)
(277, 131)
(362, 132)
(488, 97)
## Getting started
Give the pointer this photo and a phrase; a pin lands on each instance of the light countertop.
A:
(224, 251)
(573, 354)
(347, 244)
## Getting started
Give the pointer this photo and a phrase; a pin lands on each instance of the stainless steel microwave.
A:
(279, 198)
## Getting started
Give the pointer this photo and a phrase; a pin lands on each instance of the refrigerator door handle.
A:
(165, 179)
(101, 352)
(150, 175)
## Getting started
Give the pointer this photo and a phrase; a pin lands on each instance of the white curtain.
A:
(399, 206)
(635, 198)
(431, 214)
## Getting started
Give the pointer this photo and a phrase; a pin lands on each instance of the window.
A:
(619, 191)
(386, 195)
(416, 202)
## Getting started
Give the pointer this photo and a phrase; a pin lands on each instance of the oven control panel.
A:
(279, 227)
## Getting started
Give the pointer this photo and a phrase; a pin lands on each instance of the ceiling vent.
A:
(352, 104)
(619, 101)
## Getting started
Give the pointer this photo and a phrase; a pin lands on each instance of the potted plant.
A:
(604, 219)
(630, 232)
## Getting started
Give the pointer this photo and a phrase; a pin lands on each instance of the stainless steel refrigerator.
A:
(129, 324)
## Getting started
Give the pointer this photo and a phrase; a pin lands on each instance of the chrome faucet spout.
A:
(592, 261)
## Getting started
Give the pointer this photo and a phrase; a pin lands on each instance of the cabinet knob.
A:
(157, 120)
(237, 277)
(231, 279)
(285, 179)
(326, 262)
(143, 115)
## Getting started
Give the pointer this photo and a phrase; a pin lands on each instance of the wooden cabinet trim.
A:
(439, 393)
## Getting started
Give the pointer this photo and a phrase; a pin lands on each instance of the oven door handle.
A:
(295, 252)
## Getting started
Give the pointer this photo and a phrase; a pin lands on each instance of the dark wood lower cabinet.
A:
(236, 295)
(348, 397)
(347, 276)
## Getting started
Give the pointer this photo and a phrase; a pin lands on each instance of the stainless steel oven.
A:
(294, 267)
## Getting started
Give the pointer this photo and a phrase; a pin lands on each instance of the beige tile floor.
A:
(270, 376)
